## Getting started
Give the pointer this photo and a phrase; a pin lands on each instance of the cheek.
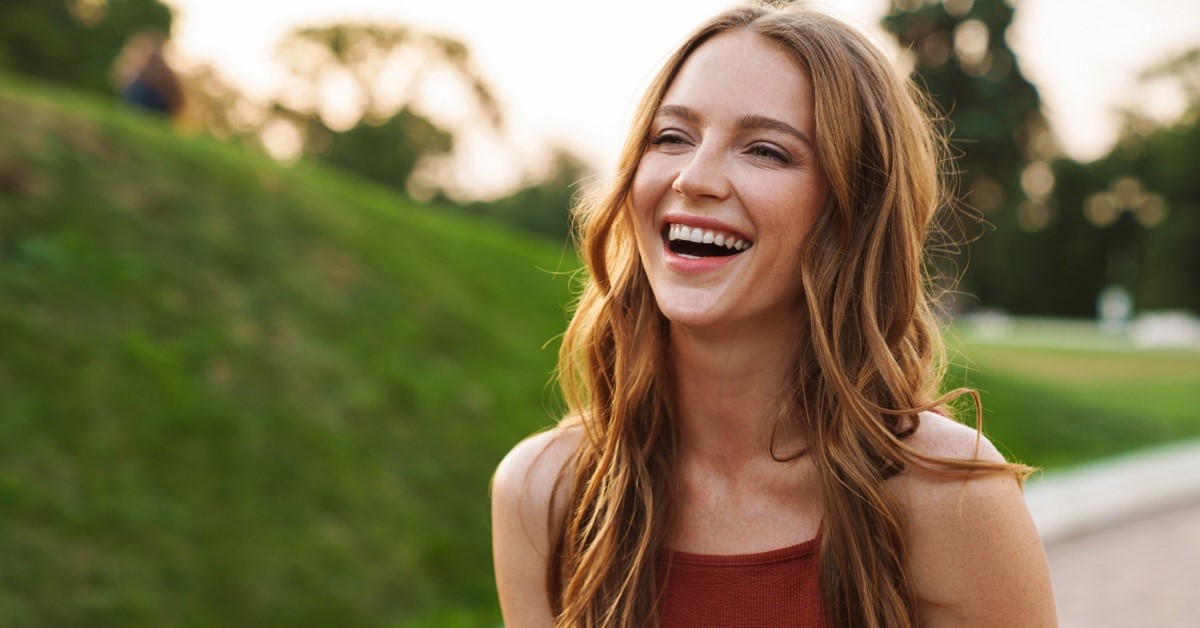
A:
(642, 203)
(650, 182)
(641, 200)
(797, 211)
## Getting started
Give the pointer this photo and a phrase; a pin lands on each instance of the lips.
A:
(694, 241)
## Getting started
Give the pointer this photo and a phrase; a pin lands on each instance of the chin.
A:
(692, 310)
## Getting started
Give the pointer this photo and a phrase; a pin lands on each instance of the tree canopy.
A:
(961, 56)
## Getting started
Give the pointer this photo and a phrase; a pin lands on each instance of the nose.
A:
(703, 176)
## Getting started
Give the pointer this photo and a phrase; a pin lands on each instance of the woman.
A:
(756, 437)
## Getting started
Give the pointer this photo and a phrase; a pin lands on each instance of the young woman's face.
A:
(731, 163)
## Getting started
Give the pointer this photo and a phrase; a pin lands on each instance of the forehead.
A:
(741, 72)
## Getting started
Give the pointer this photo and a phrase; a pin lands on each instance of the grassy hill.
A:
(233, 393)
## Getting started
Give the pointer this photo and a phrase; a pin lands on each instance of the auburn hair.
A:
(868, 361)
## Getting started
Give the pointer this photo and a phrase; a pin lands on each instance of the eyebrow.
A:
(754, 121)
(687, 114)
(747, 121)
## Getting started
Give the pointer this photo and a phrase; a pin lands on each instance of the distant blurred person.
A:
(144, 77)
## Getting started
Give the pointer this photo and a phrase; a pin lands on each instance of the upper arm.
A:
(975, 555)
(522, 488)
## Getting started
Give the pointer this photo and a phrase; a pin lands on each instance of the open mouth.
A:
(695, 242)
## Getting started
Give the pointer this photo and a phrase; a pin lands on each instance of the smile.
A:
(697, 242)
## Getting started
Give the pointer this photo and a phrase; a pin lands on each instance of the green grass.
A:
(233, 393)
(1054, 407)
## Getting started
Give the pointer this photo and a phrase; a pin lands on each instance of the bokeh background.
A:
(281, 282)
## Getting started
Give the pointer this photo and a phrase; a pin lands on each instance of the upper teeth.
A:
(707, 236)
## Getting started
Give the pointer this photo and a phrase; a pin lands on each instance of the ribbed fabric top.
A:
(774, 588)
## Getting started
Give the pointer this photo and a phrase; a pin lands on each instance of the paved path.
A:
(1142, 573)
(1123, 539)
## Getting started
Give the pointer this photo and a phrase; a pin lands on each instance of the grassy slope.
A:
(238, 394)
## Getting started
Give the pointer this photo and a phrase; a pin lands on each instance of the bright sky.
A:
(570, 72)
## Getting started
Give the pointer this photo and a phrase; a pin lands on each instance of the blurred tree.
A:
(364, 52)
(218, 107)
(961, 55)
(386, 68)
(73, 41)
(1184, 71)
(387, 152)
(1150, 181)
(543, 207)
(1131, 218)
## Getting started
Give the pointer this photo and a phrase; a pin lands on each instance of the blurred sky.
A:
(569, 72)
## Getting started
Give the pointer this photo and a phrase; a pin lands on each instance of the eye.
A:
(669, 137)
(771, 152)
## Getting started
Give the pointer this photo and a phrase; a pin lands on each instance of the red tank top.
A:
(775, 588)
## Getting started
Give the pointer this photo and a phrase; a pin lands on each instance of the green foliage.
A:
(388, 152)
(364, 50)
(1061, 268)
(542, 208)
(987, 99)
(1159, 262)
(1041, 255)
(237, 394)
(389, 138)
(1162, 158)
(963, 60)
(73, 42)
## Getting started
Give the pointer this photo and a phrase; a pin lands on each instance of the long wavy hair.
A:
(868, 361)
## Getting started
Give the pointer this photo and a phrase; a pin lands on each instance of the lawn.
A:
(1055, 406)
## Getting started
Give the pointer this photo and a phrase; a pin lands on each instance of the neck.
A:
(729, 387)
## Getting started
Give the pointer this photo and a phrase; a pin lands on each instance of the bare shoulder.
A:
(927, 493)
(946, 438)
(524, 488)
(532, 468)
(975, 555)
(935, 500)
(527, 478)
